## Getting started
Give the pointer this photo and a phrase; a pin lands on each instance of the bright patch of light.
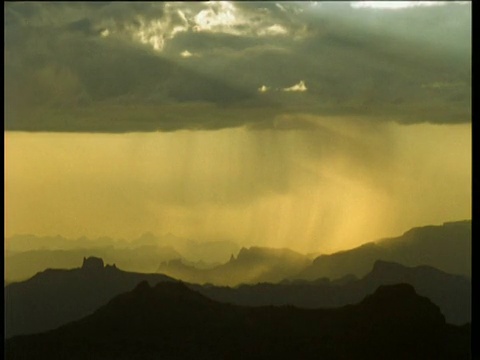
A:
(105, 33)
(263, 89)
(274, 30)
(151, 33)
(182, 16)
(186, 54)
(178, 29)
(393, 5)
(214, 17)
(224, 17)
(220, 15)
(297, 87)
(155, 32)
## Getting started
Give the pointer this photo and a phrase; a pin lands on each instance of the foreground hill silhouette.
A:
(170, 321)
(54, 297)
(452, 293)
(252, 265)
(447, 247)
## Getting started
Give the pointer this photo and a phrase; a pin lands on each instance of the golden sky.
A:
(255, 187)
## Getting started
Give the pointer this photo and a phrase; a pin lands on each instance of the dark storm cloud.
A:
(117, 67)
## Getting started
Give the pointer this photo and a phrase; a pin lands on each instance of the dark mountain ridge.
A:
(54, 297)
(22, 265)
(452, 293)
(447, 247)
(170, 321)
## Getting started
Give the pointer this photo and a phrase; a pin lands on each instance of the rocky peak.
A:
(92, 263)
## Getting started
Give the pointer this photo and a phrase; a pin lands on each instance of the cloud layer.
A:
(123, 67)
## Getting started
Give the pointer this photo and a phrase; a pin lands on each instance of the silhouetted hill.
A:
(171, 321)
(452, 293)
(447, 247)
(55, 297)
(252, 265)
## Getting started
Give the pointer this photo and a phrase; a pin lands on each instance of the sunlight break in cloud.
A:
(274, 30)
(151, 33)
(263, 88)
(297, 87)
(214, 19)
(186, 54)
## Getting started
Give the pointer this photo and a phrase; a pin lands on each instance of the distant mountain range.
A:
(26, 255)
(447, 247)
(29, 242)
(170, 321)
(253, 265)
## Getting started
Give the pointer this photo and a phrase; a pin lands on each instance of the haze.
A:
(313, 127)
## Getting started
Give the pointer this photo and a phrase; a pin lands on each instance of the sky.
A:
(317, 126)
